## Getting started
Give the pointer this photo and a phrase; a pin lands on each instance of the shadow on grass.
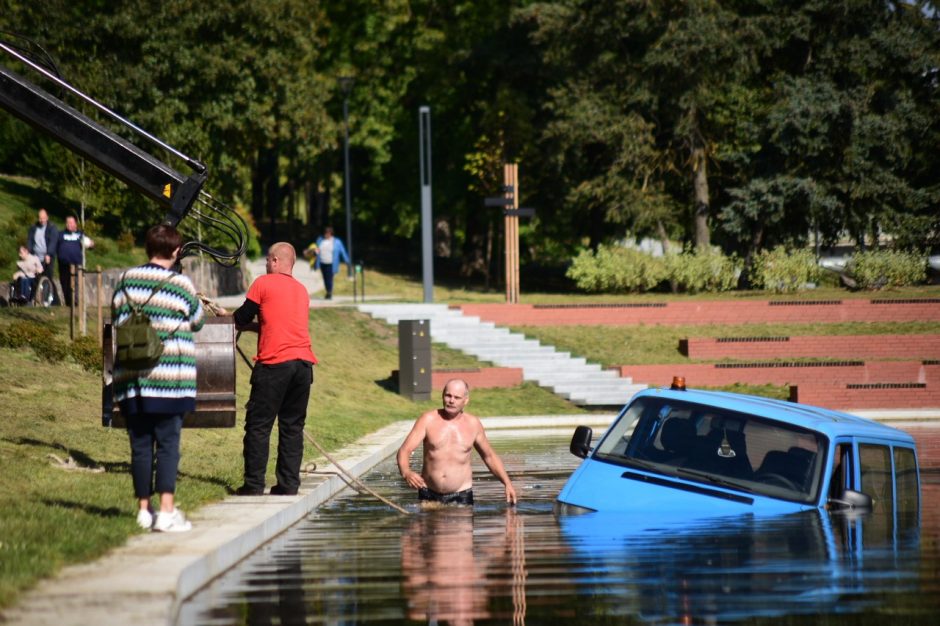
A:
(113, 467)
(82, 459)
(210, 480)
(388, 384)
(91, 509)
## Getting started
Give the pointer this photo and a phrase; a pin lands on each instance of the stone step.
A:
(584, 383)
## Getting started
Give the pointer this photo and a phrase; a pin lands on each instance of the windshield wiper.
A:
(641, 464)
(718, 480)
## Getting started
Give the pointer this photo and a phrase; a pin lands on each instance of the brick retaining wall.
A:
(479, 378)
(710, 312)
(844, 397)
(783, 373)
(830, 347)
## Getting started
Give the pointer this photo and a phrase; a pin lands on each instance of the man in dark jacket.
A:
(71, 252)
(42, 240)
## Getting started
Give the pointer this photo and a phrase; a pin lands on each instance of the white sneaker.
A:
(173, 522)
(144, 519)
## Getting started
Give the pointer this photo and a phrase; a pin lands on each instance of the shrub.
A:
(702, 270)
(781, 270)
(125, 241)
(880, 269)
(40, 337)
(616, 270)
(86, 352)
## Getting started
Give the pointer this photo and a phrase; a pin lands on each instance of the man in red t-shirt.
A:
(282, 375)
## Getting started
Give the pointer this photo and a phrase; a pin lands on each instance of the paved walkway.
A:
(144, 582)
(310, 278)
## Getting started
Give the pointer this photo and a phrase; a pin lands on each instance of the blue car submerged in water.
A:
(679, 453)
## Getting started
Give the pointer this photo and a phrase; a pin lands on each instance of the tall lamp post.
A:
(346, 83)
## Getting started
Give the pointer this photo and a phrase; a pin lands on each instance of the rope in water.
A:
(358, 483)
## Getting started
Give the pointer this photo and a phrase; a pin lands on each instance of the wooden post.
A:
(71, 303)
(507, 236)
(100, 299)
(80, 294)
(515, 234)
(511, 229)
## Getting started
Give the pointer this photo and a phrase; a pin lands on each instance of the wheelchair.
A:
(38, 291)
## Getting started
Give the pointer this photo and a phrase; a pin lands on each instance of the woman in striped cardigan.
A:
(154, 401)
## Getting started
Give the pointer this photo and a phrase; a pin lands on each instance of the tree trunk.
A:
(700, 185)
(757, 240)
(596, 227)
(664, 239)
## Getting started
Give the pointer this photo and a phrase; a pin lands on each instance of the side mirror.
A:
(852, 500)
(581, 441)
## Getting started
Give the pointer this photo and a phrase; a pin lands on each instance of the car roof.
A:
(826, 421)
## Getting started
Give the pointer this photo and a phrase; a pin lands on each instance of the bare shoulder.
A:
(425, 420)
(474, 423)
(427, 417)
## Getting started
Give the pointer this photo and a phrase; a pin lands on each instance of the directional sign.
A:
(497, 201)
(523, 212)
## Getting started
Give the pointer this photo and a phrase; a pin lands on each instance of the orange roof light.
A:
(678, 383)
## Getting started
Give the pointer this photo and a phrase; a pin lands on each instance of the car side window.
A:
(877, 482)
(842, 471)
(905, 471)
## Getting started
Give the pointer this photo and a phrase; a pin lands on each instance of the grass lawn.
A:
(648, 345)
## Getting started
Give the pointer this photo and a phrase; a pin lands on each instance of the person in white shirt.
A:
(330, 252)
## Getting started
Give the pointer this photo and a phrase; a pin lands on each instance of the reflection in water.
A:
(729, 569)
(353, 562)
(447, 571)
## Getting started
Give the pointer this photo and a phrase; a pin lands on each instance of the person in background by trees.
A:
(71, 250)
(153, 401)
(330, 252)
(42, 240)
(29, 266)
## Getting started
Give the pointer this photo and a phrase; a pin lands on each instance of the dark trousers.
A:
(154, 438)
(327, 270)
(48, 269)
(65, 279)
(282, 391)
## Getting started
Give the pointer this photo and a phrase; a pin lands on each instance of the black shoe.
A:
(245, 490)
(277, 490)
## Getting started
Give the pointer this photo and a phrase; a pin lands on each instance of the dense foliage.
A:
(882, 269)
(743, 123)
(783, 270)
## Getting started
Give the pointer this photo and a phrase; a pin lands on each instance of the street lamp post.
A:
(345, 83)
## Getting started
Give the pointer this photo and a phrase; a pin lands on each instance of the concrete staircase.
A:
(572, 378)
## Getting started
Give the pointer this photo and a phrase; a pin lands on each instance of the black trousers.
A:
(155, 439)
(65, 280)
(278, 391)
(327, 270)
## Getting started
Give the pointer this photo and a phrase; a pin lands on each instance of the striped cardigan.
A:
(175, 313)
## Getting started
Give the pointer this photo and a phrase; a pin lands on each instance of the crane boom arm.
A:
(141, 171)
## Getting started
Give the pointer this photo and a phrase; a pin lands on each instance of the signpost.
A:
(511, 214)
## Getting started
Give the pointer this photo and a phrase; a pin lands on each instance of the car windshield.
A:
(705, 443)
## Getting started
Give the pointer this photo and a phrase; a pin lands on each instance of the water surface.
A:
(356, 561)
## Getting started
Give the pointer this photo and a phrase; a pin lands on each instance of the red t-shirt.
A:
(284, 316)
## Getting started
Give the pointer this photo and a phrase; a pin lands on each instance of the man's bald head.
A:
(281, 257)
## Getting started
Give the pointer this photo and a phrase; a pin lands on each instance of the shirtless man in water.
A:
(449, 436)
